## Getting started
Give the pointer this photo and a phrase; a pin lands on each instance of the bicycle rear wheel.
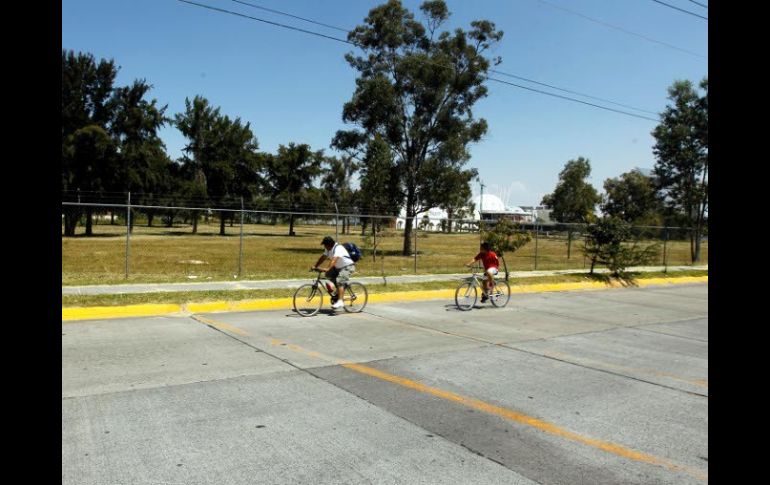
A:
(355, 298)
(465, 296)
(501, 294)
(308, 300)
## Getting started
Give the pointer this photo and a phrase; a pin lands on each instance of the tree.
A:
(144, 164)
(506, 237)
(224, 154)
(573, 200)
(633, 197)
(454, 191)
(681, 150)
(379, 190)
(290, 175)
(336, 185)
(416, 88)
(90, 157)
(608, 243)
(87, 149)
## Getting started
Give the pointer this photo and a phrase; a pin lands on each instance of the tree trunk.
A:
(112, 218)
(150, 217)
(71, 216)
(89, 221)
(222, 215)
(407, 249)
(291, 225)
(450, 215)
(195, 222)
(569, 242)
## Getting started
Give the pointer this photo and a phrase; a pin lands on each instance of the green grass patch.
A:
(236, 295)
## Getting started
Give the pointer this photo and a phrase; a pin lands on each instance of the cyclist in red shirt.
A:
(491, 265)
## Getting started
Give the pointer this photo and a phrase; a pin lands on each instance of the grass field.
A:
(160, 254)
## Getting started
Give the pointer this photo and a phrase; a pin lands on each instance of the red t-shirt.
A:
(489, 259)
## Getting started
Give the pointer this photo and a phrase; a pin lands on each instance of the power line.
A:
(576, 100)
(680, 9)
(290, 15)
(491, 70)
(429, 62)
(649, 39)
(267, 21)
(696, 3)
(572, 92)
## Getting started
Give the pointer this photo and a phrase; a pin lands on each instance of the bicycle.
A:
(467, 293)
(309, 298)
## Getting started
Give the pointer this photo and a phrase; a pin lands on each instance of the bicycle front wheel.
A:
(465, 296)
(355, 297)
(501, 293)
(308, 300)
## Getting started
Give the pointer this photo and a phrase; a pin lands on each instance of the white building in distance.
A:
(490, 208)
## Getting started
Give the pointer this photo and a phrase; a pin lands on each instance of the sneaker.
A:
(338, 304)
(334, 299)
(484, 298)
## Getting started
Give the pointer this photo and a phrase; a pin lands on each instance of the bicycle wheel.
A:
(308, 300)
(465, 296)
(355, 297)
(501, 293)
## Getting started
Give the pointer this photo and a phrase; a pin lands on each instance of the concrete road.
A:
(590, 387)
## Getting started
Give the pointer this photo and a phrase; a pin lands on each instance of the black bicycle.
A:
(309, 298)
(467, 293)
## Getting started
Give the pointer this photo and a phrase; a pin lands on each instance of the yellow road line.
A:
(498, 411)
(223, 326)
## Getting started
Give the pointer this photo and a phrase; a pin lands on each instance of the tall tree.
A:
(144, 164)
(223, 152)
(454, 191)
(379, 192)
(290, 174)
(633, 198)
(416, 89)
(336, 184)
(574, 199)
(681, 150)
(86, 112)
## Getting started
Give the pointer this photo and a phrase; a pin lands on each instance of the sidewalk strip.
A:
(144, 310)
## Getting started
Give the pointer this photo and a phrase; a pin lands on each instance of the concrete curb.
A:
(151, 309)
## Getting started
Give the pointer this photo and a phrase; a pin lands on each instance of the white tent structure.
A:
(491, 206)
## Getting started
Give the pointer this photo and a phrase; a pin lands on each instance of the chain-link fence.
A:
(168, 243)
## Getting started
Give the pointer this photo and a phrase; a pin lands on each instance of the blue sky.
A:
(291, 86)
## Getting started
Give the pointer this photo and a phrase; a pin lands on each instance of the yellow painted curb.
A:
(95, 312)
(109, 312)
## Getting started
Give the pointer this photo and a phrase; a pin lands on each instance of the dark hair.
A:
(327, 240)
(486, 246)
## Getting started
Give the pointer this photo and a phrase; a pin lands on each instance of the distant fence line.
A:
(350, 220)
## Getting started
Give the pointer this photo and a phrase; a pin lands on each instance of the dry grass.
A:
(161, 254)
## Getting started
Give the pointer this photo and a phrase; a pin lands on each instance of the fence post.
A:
(665, 240)
(240, 257)
(536, 232)
(128, 232)
(336, 223)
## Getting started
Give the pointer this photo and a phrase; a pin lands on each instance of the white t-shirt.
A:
(343, 258)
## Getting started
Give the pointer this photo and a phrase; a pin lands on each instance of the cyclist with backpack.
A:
(341, 267)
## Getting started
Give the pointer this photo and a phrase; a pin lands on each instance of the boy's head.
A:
(485, 246)
(328, 242)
